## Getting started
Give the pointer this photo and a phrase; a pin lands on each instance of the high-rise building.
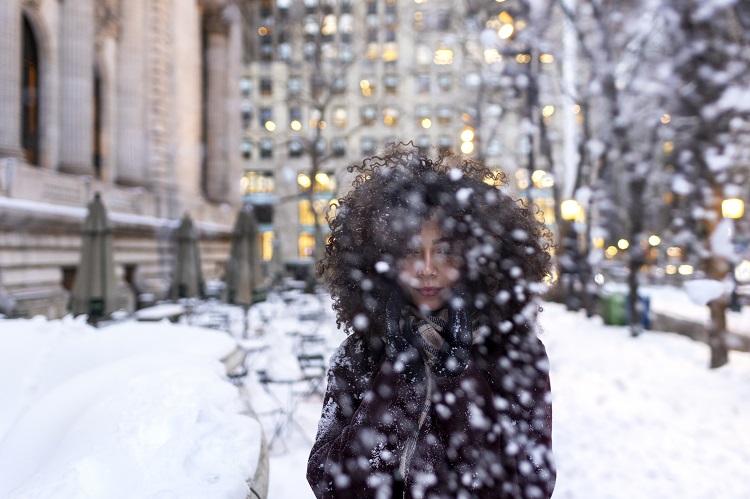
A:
(347, 78)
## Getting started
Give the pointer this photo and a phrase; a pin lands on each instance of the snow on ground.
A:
(130, 410)
(638, 417)
(644, 417)
(633, 418)
(675, 302)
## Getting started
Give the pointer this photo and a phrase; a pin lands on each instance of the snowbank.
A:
(644, 417)
(132, 410)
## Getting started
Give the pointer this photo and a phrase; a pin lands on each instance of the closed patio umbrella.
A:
(242, 275)
(94, 286)
(187, 277)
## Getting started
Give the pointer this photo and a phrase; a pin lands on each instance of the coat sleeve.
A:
(496, 420)
(363, 428)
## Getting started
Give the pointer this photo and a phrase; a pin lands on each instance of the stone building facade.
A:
(134, 99)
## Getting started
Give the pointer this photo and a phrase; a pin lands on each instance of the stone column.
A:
(77, 86)
(10, 78)
(131, 96)
(216, 93)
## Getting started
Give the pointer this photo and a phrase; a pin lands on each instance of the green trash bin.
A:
(614, 309)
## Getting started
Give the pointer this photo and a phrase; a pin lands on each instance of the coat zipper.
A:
(411, 444)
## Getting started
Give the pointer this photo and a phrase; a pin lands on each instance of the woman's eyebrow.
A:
(443, 239)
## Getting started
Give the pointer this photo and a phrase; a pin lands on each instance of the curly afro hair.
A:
(502, 247)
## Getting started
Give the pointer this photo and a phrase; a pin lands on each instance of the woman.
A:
(442, 389)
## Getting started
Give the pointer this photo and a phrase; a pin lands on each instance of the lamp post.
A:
(573, 286)
(733, 209)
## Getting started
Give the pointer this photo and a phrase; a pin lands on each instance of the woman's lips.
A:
(429, 292)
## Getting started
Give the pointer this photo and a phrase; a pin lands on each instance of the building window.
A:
(338, 145)
(294, 85)
(339, 116)
(372, 7)
(321, 146)
(247, 149)
(246, 111)
(306, 245)
(444, 114)
(390, 82)
(366, 87)
(266, 148)
(390, 116)
(339, 85)
(295, 148)
(368, 114)
(257, 182)
(265, 116)
(295, 118)
(266, 87)
(246, 86)
(445, 81)
(423, 83)
(390, 53)
(445, 144)
(423, 143)
(30, 92)
(266, 245)
(325, 182)
(367, 145)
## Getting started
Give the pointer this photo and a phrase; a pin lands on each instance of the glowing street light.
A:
(654, 240)
(571, 210)
(623, 244)
(732, 208)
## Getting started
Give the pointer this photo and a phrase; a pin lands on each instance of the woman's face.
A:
(429, 268)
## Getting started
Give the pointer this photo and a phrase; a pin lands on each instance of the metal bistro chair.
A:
(284, 414)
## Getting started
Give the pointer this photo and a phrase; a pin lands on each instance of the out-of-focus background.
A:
(166, 168)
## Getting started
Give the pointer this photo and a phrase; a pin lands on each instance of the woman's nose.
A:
(426, 266)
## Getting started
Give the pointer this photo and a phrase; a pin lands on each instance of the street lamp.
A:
(571, 210)
(732, 208)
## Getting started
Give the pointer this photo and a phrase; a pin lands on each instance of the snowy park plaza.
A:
(146, 409)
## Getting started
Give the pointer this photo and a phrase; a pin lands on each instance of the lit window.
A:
(306, 245)
(266, 245)
(390, 116)
(443, 56)
(390, 52)
(257, 182)
(367, 87)
(423, 55)
(340, 116)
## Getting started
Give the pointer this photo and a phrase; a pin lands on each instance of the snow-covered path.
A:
(633, 418)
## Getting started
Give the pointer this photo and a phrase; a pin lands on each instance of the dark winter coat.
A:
(485, 433)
